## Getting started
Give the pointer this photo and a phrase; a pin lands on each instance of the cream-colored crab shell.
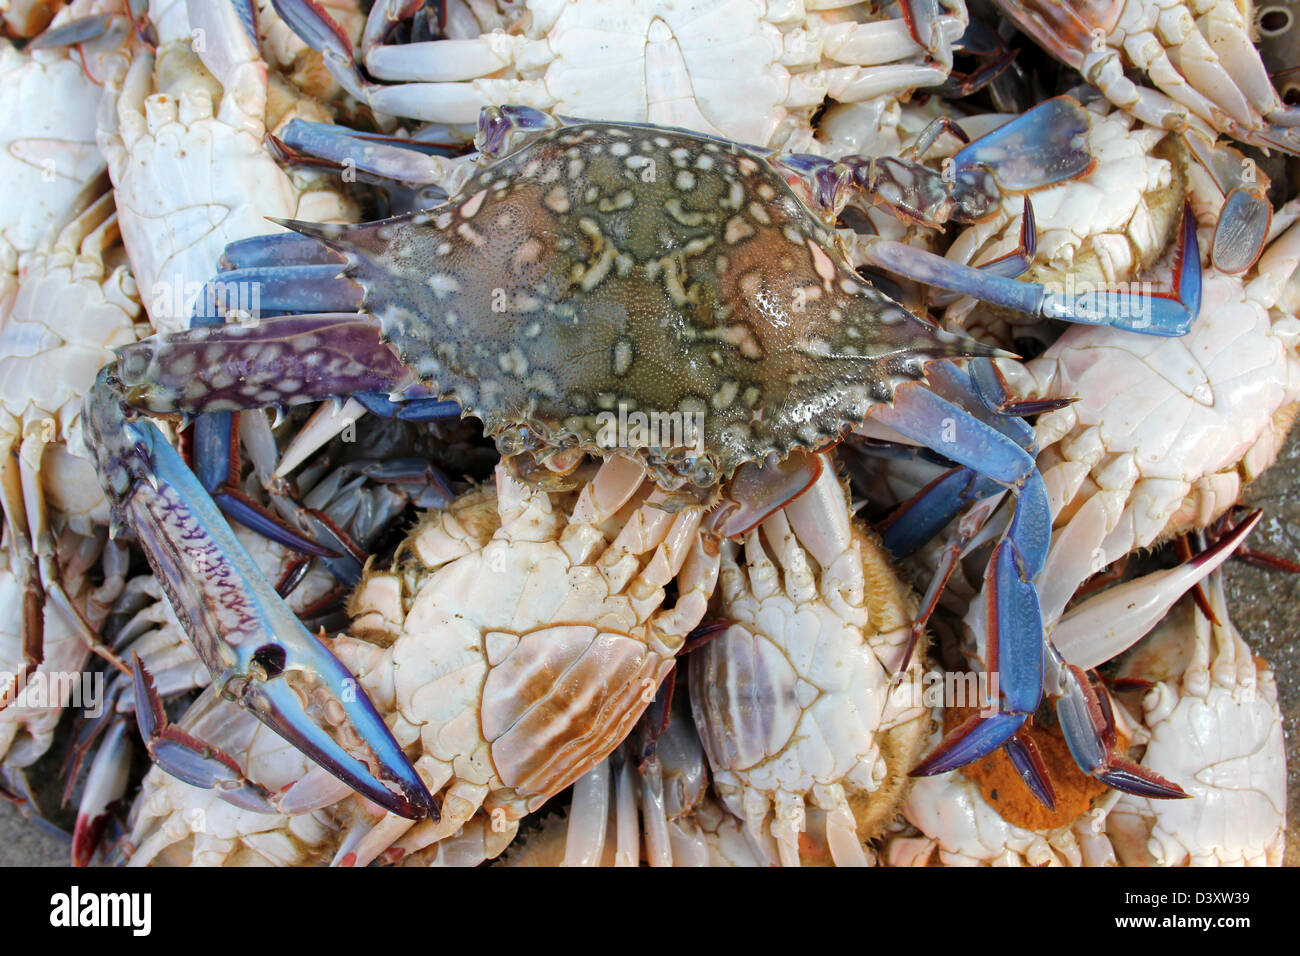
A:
(528, 633)
(794, 700)
(190, 169)
(1216, 731)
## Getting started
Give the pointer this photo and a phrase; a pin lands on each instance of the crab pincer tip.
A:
(977, 737)
(397, 787)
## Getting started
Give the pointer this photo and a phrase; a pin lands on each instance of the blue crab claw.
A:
(1089, 730)
(257, 650)
(186, 757)
(975, 738)
(1024, 756)
(1166, 314)
(279, 290)
(1041, 147)
(1015, 625)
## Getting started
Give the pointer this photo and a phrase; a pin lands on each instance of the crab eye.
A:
(704, 473)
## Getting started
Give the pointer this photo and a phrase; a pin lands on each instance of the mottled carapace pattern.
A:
(603, 268)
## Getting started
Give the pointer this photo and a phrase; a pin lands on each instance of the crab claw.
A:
(1090, 734)
(976, 737)
(258, 651)
(105, 786)
(1024, 756)
(188, 758)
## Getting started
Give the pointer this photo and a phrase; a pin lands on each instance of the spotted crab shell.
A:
(611, 270)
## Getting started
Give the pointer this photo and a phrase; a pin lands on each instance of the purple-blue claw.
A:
(1155, 314)
(1023, 754)
(976, 737)
(257, 650)
(1015, 638)
(1091, 737)
(1041, 147)
(1015, 630)
(187, 758)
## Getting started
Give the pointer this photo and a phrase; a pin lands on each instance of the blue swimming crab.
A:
(589, 270)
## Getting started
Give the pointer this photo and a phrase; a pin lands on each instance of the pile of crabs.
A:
(718, 432)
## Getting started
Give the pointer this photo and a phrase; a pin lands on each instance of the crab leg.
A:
(461, 101)
(278, 249)
(1104, 626)
(105, 785)
(1167, 315)
(1228, 87)
(225, 368)
(215, 457)
(402, 161)
(35, 558)
(256, 648)
(920, 519)
(26, 571)
(1090, 733)
(972, 183)
(1015, 624)
(1243, 223)
(935, 506)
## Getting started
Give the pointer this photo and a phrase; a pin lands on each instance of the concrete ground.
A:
(22, 844)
